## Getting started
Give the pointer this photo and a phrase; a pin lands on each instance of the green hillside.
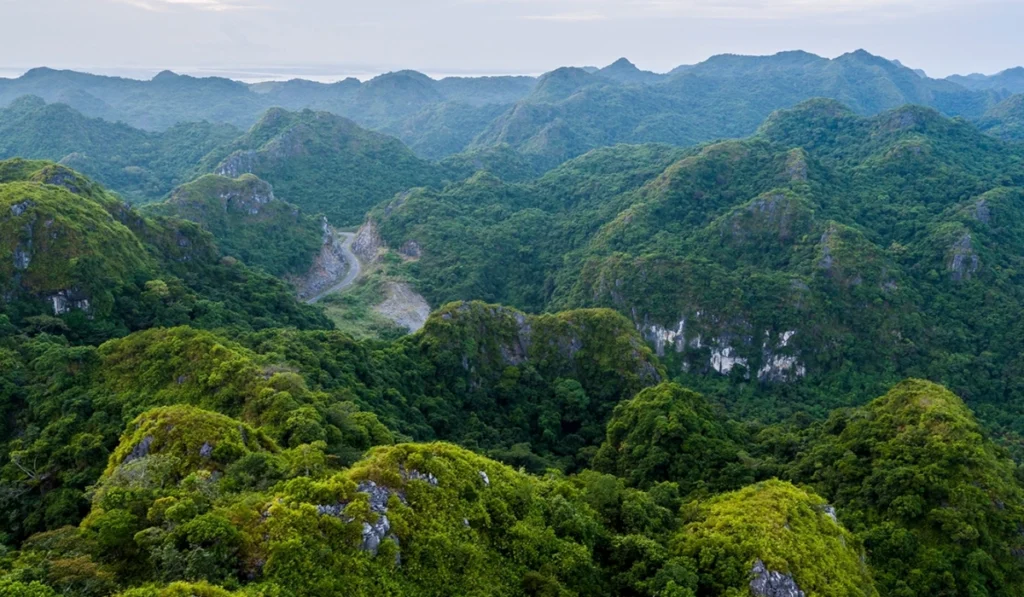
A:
(659, 364)
(139, 165)
(248, 222)
(570, 111)
(1005, 120)
(827, 239)
(324, 163)
(77, 260)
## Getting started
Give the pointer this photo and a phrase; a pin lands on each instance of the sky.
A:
(328, 38)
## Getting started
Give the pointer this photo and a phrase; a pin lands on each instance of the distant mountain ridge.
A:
(724, 96)
(1011, 80)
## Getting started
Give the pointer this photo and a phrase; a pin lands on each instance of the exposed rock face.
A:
(404, 306)
(376, 532)
(724, 360)
(22, 257)
(411, 250)
(830, 511)
(248, 199)
(141, 450)
(19, 208)
(368, 244)
(964, 262)
(775, 214)
(982, 212)
(796, 165)
(237, 164)
(776, 367)
(518, 352)
(779, 362)
(826, 252)
(768, 583)
(415, 475)
(662, 337)
(66, 301)
(329, 266)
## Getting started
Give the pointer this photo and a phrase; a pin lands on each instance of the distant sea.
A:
(321, 74)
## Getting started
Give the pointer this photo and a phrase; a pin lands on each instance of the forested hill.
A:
(770, 264)
(321, 162)
(142, 166)
(786, 364)
(557, 116)
(267, 455)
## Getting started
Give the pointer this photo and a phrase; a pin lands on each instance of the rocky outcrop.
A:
(141, 450)
(249, 198)
(963, 262)
(237, 164)
(411, 250)
(66, 301)
(779, 361)
(982, 212)
(724, 359)
(330, 266)
(826, 251)
(23, 256)
(375, 533)
(796, 165)
(19, 208)
(768, 583)
(368, 244)
(404, 306)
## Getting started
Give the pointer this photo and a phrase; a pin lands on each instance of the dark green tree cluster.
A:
(77, 261)
(839, 252)
(248, 222)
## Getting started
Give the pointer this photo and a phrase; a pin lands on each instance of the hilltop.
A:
(742, 261)
(557, 116)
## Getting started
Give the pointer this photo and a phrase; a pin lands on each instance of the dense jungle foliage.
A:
(827, 256)
(492, 452)
(740, 369)
(248, 222)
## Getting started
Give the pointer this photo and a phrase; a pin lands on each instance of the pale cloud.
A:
(562, 10)
(569, 17)
(206, 5)
(774, 9)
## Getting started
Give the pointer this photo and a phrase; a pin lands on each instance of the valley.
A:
(744, 329)
(352, 270)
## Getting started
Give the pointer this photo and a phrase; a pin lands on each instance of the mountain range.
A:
(557, 116)
(750, 328)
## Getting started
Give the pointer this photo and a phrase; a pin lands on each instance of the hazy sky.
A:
(497, 36)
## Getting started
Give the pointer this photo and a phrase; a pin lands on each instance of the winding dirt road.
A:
(354, 268)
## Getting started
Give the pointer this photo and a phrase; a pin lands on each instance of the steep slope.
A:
(725, 96)
(1005, 120)
(773, 539)
(324, 163)
(248, 221)
(1011, 80)
(62, 247)
(624, 71)
(780, 259)
(913, 474)
(72, 250)
(140, 165)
